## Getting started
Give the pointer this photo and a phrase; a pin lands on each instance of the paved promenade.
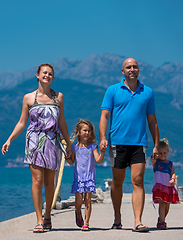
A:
(64, 226)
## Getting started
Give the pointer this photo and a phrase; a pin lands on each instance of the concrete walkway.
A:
(64, 226)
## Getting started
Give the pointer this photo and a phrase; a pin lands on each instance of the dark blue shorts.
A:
(123, 156)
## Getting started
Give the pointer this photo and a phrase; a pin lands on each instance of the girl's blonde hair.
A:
(79, 125)
(163, 143)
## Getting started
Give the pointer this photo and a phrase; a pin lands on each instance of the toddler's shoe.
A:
(163, 226)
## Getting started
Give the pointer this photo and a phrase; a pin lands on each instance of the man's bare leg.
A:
(138, 196)
(117, 192)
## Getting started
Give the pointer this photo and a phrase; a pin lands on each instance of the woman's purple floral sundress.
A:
(42, 145)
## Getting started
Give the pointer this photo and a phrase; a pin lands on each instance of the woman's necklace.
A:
(53, 96)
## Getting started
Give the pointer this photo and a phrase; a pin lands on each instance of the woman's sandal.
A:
(47, 225)
(85, 227)
(38, 229)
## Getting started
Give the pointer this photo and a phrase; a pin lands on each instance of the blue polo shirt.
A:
(128, 113)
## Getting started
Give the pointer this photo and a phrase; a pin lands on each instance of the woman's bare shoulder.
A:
(29, 98)
(60, 97)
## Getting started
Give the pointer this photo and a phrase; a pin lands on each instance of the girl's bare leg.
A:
(167, 209)
(162, 210)
(37, 184)
(88, 207)
(78, 204)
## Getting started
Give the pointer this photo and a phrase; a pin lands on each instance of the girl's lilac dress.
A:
(84, 171)
(42, 145)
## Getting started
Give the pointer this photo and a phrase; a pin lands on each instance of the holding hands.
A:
(103, 145)
(155, 153)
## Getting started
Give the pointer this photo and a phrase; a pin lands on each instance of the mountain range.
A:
(83, 83)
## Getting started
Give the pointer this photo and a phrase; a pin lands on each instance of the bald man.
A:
(129, 104)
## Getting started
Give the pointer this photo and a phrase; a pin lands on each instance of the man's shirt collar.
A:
(140, 85)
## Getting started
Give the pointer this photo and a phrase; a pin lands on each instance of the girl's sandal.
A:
(79, 223)
(47, 225)
(116, 226)
(85, 227)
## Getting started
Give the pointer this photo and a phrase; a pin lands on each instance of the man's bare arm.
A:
(103, 129)
(154, 130)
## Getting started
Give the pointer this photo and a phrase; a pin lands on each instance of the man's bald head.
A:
(130, 69)
(128, 61)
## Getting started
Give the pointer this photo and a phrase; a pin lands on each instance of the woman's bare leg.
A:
(49, 191)
(37, 184)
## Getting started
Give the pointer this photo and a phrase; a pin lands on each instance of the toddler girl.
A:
(163, 190)
(83, 154)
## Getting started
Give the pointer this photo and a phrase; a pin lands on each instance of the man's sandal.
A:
(85, 227)
(38, 229)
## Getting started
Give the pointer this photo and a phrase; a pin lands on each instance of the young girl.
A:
(163, 190)
(83, 154)
(45, 108)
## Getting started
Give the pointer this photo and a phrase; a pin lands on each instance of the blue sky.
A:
(37, 31)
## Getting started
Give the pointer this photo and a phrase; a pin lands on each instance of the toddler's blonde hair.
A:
(163, 143)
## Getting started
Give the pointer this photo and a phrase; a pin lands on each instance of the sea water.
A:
(16, 192)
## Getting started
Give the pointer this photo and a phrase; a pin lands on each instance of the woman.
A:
(45, 107)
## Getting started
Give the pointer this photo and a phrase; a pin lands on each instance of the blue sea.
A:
(16, 193)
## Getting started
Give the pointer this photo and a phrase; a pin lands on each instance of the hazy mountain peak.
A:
(64, 63)
(172, 67)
